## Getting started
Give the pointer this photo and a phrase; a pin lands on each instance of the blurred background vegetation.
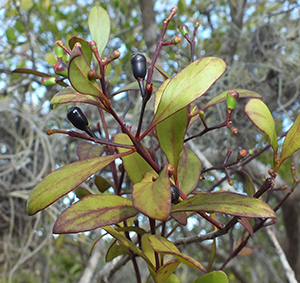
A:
(258, 39)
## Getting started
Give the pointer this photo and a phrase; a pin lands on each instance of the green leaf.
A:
(102, 184)
(244, 93)
(153, 198)
(92, 212)
(87, 150)
(227, 203)
(249, 189)
(261, 117)
(213, 277)
(78, 70)
(115, 249)
(165, 271)
(188, 85)
(134, 165)
(85, 46)
(170, 133)
(36, 73)
(147, 249)
(162, 245)
(30, 71)
(292, 142)
(63, 180)
(188, 171)
(122, 239)
(81, 192)
(69, 95)
(99, 26)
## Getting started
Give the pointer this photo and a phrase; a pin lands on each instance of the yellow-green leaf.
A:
(92, 212)
(292, 141)
(188, 171)
(78, 70)
(85, 46)
(153, 198)
(162, 245)
(87, 150)
(261, 117)
(213, 277)
(243, 93)
(115, 249)
(227, 203)
(188, 85)
(135, 166)
(69, 95)
(99, 26)
(63, 180)
(165, 271)
(122, 239)
(170, 133)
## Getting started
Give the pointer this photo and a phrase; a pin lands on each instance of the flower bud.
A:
(139, 66)
(184, 30)
(232, 98)
(59, 52)
(242, 154)
(60, 68)
(47, 81)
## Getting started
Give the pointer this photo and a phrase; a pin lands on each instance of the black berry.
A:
(174, 194)
(77, 118)
(139, 66)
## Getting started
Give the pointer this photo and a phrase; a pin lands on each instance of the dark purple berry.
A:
(174, 194)
(77, 118)
(139, 66)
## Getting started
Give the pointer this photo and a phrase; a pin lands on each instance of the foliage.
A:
(265, 61)
(151, 180)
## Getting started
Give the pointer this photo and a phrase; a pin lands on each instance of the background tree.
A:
(260, 43)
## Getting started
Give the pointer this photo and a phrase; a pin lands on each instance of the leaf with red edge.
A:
(63, 180)
(115, 249)
(243, 93)
(162, 245)
(99, 26)
(87, 150)
(153, 198)
(180, 217)
(227, 203)
(292, 142)
(261, 117)
(36, 73)
(92, 212)
(170, 133)
(188, 171)
(86, 49)
(122, 239)
(185, 87)
(249, 185)
(69, 95)
(247, 225)
(165, 271)
(78, 69)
